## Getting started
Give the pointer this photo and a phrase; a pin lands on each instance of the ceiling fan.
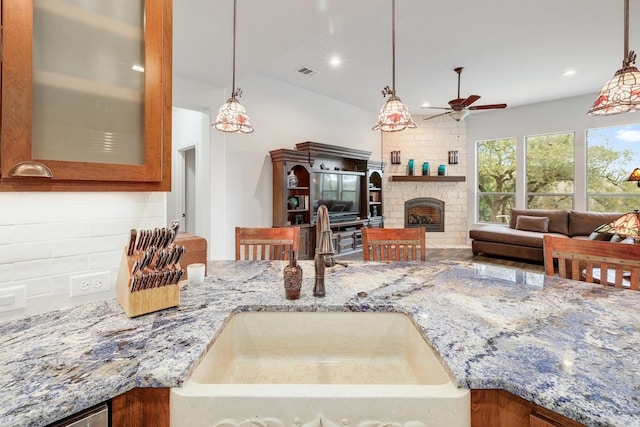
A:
(459, 108)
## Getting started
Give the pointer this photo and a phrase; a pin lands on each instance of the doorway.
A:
(188, 193)
(189, 199)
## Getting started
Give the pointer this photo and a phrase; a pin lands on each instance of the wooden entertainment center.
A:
(343, 179)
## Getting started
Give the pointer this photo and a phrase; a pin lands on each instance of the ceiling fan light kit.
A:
(394, 115)
(459, 115)
(232, 117)
(621, 94)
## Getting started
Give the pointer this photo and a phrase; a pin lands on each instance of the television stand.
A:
(347, 236)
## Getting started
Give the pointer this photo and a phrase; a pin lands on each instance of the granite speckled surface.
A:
(569, 346)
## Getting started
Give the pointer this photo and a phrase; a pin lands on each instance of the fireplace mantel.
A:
(426, 178)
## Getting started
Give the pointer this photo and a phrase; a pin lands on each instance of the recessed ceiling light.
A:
(425, 105)
(335, 61)
(568, 73)
(138, 68)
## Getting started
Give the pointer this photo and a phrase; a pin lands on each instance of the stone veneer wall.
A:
(430, 142)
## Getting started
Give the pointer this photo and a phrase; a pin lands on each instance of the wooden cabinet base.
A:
(141, 407)
(499, 408)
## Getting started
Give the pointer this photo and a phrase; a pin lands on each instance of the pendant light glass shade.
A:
(394, 115)
(635, 176)
(232, 117)
(627, 225)
(621, 94)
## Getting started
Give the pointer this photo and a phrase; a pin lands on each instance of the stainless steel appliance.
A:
(98, 416)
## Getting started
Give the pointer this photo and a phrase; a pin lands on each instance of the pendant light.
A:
(621, 94)
(232, 116)
(394, 115)
(635, 176)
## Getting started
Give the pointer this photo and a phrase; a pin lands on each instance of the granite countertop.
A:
(569, 346)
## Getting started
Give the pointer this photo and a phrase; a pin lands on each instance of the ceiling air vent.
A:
(306, 71)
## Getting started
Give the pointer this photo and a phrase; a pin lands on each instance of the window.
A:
(496, 179)
(550, 171)
(612, 154)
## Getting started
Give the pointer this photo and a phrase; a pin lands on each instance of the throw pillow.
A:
(533, 223)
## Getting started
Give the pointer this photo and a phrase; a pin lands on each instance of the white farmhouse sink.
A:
(283, 368)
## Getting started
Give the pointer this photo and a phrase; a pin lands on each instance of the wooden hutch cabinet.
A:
(291, 198)
(343, 179)
(376, 207)
(86, 95)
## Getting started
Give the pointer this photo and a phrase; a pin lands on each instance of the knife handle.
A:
(132, 242)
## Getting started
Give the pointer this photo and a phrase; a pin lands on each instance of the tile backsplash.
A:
(47, 238)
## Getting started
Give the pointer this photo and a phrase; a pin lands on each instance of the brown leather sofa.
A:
(523, 238)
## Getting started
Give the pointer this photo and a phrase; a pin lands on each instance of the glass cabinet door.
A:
(83, 88)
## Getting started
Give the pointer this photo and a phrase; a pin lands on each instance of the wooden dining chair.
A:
(266, 243)
(393, 244)
(592, 260)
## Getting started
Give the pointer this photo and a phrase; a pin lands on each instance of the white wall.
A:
(565, 115)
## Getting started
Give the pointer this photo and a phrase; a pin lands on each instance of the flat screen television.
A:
(339, 192)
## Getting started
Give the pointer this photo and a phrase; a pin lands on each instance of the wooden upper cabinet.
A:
(86, 93)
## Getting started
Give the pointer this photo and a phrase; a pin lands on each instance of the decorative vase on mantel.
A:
(292, 179)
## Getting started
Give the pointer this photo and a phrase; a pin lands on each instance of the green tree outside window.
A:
(496, 160)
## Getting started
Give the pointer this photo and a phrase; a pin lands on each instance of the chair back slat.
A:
(266, 243)
(393, 244)
(607, 263)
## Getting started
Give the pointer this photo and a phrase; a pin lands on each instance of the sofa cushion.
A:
(506, 235)
(558, 219)
(533, 223)
(583, 223)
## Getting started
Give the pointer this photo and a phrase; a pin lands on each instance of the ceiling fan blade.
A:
(437, 115)
(488, 107)
(470, 100)
(454, 103)
(436, 108)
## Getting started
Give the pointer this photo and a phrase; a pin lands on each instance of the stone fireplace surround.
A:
(430, 142)
(453, 196)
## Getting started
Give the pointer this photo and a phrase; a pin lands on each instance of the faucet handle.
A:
(325, 245)
(329, 260)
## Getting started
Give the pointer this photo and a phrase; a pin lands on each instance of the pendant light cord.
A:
(233, 76)
(393, 47)
(626, 33)
(629, 56)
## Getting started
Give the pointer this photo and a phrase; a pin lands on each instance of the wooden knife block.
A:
(146, 300)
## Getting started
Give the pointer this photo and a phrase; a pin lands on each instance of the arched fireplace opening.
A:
(424, 212)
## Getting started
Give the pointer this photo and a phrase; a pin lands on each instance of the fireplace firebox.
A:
(425, 212)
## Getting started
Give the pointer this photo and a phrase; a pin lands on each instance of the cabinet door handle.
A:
(30, 169)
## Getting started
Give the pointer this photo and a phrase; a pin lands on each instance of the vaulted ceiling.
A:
(512, 51)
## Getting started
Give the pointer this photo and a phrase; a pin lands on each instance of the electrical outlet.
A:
(90, 283)
(13, 298)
